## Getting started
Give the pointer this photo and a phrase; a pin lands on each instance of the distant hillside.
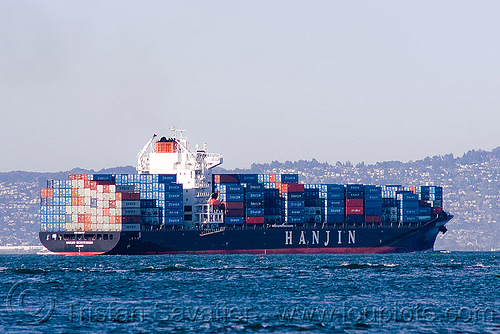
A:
(471, 183)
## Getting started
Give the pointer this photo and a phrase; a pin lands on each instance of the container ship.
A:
(176, 205)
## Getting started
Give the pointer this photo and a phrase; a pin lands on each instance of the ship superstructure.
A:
(193, 169)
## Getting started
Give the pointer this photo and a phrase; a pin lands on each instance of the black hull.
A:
(279, 240)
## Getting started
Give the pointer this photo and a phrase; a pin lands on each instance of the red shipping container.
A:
(254, 220)
(373, 219)
(351, 210)
(436, 211)
(86, 227)
(272, 178)
(226, 178)
(292, 188)
(86, 218)
(105, 189)
(234, 212)
(46, 192)
(72, 177)
(104, 183)
(93, 185)
(233, 205)
(81, 219)
(77, 201)
(112, 204)
(86, 184)
(354, 202)
(130, 219)
(74, 192)
(277, 185)
(127, 196)
(105, 212)
(81, 177)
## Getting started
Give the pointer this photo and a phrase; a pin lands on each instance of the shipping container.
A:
(355, 188)
(354, 210)
(352, 218)
(291, 187)
(354, 202)
(234, 220)
(254, 220)
(233, 205)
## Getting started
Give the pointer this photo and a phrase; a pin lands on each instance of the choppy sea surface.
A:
(428, 292)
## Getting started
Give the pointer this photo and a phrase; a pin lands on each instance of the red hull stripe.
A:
(326, 250)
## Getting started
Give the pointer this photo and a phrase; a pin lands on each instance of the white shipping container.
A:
(93, 219)
(112, 212)
(100, 188)
(112, 188)
(93, 193)
(105, 204)
(68, 210)
(118, 204)
(93, 211)
(100, 196)
(81, 183)
(74, 183)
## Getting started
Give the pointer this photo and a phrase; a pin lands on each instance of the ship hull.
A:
(279, 240)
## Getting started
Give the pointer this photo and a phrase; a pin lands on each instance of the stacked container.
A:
(313, 205)
(254, 202)
(293, 202)
(106, 202)
(373, 204)
(334, 202)
(272, 206)
(408, 207)
(355, 194)
(232, 197)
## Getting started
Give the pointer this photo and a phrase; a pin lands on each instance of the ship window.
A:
(99, 237)
(110, 237)
(188, 208)
(104, 237)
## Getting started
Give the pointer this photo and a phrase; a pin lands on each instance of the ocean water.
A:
(428, 292)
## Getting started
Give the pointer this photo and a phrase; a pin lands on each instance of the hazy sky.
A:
(86, 83)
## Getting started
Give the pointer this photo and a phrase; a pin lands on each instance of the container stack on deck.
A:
(255, 197)
(333, 196)
(106, 202)
(231, 195)
(373, 204)
(313, 205)
(354, 205)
